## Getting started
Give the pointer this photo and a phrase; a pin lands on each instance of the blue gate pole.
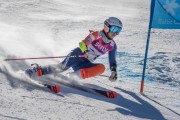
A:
(145, 61)
(147, 45)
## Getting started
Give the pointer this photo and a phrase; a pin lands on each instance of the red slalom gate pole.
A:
(142, 87)
(10, 59)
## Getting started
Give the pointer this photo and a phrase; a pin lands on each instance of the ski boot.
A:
(37, 70)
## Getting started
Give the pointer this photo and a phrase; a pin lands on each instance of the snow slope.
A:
(33, 28)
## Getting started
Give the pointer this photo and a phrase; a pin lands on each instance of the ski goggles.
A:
(115, 29)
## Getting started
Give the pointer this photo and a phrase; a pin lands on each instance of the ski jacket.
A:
(98, 44)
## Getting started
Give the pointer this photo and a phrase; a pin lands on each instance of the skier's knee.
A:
(92, 71)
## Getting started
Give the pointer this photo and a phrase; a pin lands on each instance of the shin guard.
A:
(92, 71)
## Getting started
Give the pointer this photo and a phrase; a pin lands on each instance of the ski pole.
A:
(104, 76)
(9, 59)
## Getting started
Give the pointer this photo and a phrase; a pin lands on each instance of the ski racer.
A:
(97, 43)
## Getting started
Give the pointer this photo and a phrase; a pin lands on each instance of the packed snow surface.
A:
(39, 28)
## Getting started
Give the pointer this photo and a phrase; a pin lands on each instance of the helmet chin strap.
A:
(106, 34)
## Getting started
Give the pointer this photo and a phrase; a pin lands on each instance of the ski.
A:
(72, 84)
(106, 93)
(52, 88)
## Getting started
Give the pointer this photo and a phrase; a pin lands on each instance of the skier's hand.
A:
(83, 47)
(89, 55)
(113, 76)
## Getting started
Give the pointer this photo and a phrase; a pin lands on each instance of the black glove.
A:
(113, 76)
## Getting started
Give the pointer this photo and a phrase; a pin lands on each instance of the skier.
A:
(94, 45)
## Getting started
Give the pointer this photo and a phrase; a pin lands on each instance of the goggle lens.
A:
(115, 29)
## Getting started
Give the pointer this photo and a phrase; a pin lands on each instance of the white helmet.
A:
(112, 21)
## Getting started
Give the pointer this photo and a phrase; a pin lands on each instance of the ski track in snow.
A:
(34, 28)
